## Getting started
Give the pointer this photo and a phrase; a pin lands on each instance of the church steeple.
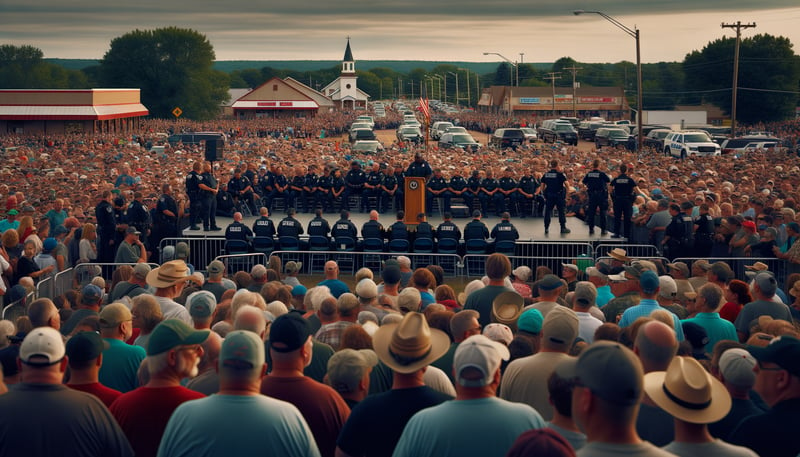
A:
(348, 63)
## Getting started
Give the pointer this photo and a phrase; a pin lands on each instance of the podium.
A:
(414, 199)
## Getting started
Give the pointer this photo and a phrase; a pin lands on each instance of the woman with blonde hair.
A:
(88, 244)
(25, 228)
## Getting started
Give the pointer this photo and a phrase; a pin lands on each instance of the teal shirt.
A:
(717, 328)
(120, 364)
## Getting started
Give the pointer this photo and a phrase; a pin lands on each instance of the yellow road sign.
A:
(177, 112)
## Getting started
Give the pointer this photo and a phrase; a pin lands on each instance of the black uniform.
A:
(596, 183)
(419, 169)
(354, 180)
(263, 226)
(337, 184)
(437, 183)
(489, 184)
(622, 196)
(290, 227)
(456, 187)
(296, 191)
(310, 191)
(676, 231)
(703, 236)
(399, 195)
(344, 228)
(398, 231)
(106, 231)
(373, 188)
(372, 229)
(165, 226)
(322, 195)
(193, 180)
(473, 188)
(238, 231)
(279, 189)
(139, 217)
(424, 230)
(225, 204)
(238, 187)
(528, 184)
(507, 183)
(476, 230)
(504, 231)
(448, 229)
(555, 195)
(209, 201)
(319, 227)
(390, 187)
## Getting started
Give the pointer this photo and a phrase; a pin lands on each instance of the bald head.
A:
(373, 215)
(237, 217)
(250, 318)
(331, 269)
(211, 348)
(656, 345)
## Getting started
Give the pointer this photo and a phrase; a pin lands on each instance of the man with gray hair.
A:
(207, 380)
(43, 313)
(764, 287)
(582, 302)
(463, 325)
(272, 426)
(707, 303)
(252, 319)
(259, 275)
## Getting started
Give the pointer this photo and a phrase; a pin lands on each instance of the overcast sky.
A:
(441, 30)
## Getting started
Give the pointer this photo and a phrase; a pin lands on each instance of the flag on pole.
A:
(423, 106)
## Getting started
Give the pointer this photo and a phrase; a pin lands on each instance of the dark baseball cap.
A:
(85, 346)
(289, 332)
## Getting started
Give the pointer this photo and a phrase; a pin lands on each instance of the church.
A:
(344, 91)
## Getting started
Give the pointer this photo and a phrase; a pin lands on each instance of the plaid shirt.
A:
(331, 334)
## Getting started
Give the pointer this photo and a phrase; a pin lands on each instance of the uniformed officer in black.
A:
(596, 183)
(354, 185)
(675, 233)
(291, 227)
(193, 192)
(295, 191)
(489, 193)
(225, 204)
(504, 230)
(457, 185)
(688, 241)
(121, 216)
(703, 233)
(241, 189)
(448, 229)
(337, 190)
(475, 229)
(424, 229)
(372, 186)
(106, 228)
(319, 226)
(165, 222)
(344, 227)
(437, 187)
(310, 188)
(372, 228)
(419, 168)
(398, 230)
(139, 217)
(554, 189)
(473, 189)
(209, 188)
(280, 188)
(389, 188)
(507, 188)
(322, 195)
(263, 226)
(526, 190)
(623, 189)
(238, 231)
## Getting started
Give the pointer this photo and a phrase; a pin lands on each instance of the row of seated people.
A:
(289, 234)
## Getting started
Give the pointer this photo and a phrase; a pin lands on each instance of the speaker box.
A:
(214, 150)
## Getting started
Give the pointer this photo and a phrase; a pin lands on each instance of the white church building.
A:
(344, 91)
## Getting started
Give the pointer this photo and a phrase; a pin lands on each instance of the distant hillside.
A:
(401, 66)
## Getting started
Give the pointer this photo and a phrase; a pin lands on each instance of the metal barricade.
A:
(632, 250)
(201, 250)
(242, 262)
(451, 263)
(45, 288)
(738, 264)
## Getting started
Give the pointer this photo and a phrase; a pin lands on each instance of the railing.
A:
(350, 261)
(201, 250)
(63, 281)
(738, 264)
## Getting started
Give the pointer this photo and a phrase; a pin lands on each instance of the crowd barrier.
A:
(79, 275)
(738, 264)
(201, 250)
(350, 261)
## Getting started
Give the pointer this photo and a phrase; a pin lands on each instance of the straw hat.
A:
(507, 307)
(619, 254)
(410, 345)
(168, 274)
(688, 392)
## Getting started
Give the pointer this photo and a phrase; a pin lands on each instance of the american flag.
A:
(423, 106)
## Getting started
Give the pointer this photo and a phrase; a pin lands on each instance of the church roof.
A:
(348, 54)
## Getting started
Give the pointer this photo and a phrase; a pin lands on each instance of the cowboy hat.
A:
(758, 266)
(168, 274)
(409, 345)
(688, 392)
(507, 307)
(619, 254)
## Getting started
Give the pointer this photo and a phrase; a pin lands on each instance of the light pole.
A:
(469, 99)
(442, 78)
(456, 75)
(514, 65)
(635, 34)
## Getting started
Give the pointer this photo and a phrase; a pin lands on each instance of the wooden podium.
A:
(415, 199)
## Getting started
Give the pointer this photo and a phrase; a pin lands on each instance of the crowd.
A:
(620, 357)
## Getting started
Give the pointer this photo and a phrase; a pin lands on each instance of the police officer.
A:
(372, 186)
(675, 233)
(165, 221)
(424, 229)
(322, 195)
(224, 202)
(344, 227)
(398, 230)
(507, 188)
(337, 190)
(310, 188)
(139, 217)
(263, 226)
(296, 189)
(688, 240)
(554, 187)
(193, 192)
(120, 215)
(596, 183)
(238, 231)
(526, 191)
(389, 188)
(456, 186)
(475, 229)
(473, 189)
(319, 226)
(504, 230)
(489, 193)
(448, 230)
(419, 168)
(290, 227)
(437, 187)
(372, 228)
(354, 185)
(703, 233)
(209, 188)
(280, 188)
(106, 228)
(241, 189)
(622, 195)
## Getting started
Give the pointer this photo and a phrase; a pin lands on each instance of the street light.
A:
(513, 64)
(441, 78)
(635, 34)
(456, 75)
(469, 99)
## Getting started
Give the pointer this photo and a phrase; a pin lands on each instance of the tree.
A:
(172, 67)
(769, 72)
(502, 76)
(22, 67)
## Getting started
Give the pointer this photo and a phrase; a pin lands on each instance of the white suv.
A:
(690, 143)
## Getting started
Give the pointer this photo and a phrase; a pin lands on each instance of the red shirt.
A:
(729, 311)
(106, 394)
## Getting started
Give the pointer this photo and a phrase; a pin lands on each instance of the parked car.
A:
(748, 143)
(459, 140)
(530, 134)
(456, 129)
(361, 125)
(507, 138)
(367, 146)
(655, 139)
(366, 120)
(362, 134)
(610, 137)
(409, 133)
(558, 131)
(690, 143)
(438, 128)
(587, 129)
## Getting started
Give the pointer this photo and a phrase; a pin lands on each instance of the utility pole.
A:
(574, 71)
(466, 70)
(738, 26)
(552, 77)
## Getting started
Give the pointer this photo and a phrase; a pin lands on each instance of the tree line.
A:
(174, 67)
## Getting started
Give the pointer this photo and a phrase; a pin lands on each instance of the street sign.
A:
(177, 112)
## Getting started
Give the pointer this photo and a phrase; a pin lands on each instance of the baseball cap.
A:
(649, 282)
(140, 270)
(530, 321)
(49, 244)
(500, 333)
(42, 346)
(241, 349)
(749, 225)
(522, 272)
(608, 369)
(13, 212)
(560, 326)
(347, 367)
(637, 267)
(91, 292)
(409, 299)
(736, 366)
(201, 303)
(571, 266)
(366, 288)
(181, 250)
(258, 271)
(481, 354)
(550, 282)
(85, 346)
(299, 290)
(696, 335)
(216, 267)
(593, 271)
(680, 266)
(766, 283)
(172, 333)
(783, 351)
(667, 287)
(114, 314)
(585, 293)
(131, 230)
(289, 333)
